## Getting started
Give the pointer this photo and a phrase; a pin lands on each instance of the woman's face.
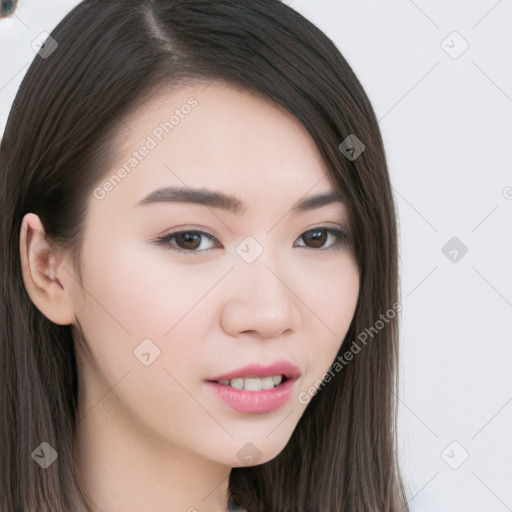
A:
(254, 284)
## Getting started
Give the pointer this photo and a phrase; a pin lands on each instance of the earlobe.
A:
(44, 276)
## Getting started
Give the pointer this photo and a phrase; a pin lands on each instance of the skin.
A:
(155, 437)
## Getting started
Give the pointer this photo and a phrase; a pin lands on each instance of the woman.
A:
(199, 271)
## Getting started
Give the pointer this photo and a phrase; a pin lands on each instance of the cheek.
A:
(331, 299)
(331, 293)
(131, 299)
(144, 294)
(148, 293)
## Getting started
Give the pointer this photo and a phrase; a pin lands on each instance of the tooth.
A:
(252, 384)
(267, 383)
(237, 383)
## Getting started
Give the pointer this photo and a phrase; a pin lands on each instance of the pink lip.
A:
(254, 402)
(257, 402)
(289, 370)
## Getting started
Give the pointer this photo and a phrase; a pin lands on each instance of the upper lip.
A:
(289, 370)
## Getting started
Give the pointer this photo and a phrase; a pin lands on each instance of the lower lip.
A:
(254, 402)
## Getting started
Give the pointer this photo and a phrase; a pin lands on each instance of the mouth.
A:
(256, 388)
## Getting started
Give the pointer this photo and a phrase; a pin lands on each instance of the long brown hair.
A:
(111, 55)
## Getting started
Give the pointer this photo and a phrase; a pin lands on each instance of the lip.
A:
(257, 402)
(254, 402)
(289, 370)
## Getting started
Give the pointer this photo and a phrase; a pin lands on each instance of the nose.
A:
(260, 301)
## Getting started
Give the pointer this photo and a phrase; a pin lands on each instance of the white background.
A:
(447, 128)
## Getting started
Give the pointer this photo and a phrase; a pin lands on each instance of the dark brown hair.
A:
(58, 143)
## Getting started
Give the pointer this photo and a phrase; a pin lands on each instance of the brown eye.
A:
(317, 238)
(186, 241)
(192, 242)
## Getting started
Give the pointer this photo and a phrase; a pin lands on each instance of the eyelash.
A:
(340, 243)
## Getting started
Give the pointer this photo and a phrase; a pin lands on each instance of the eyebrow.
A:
(230, 203)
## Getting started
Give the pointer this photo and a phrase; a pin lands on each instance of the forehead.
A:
(217, 137)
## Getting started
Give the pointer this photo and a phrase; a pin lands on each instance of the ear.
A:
(47, 282)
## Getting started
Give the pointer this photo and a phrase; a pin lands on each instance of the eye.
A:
(187, 241)
(195, 242)
(319, 236)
